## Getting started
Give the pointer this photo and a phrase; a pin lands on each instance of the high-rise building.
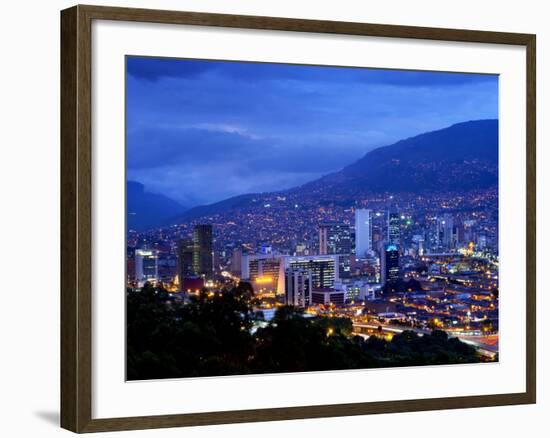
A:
(390, 265)
(393, 228)
(236, 261)
(202, 250)
(266, 271)
(446, 232)
(363, 232)
(334, 238)
(167, 265)
(146, 265)
(298, 287)
(185, 260)
(324, 269)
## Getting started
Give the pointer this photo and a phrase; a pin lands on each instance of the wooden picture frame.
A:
(76, 217)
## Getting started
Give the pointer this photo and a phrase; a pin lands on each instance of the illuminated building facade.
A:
(266, 271)
(390, 265)
(202, 251)
(324, 269)
(393, 228)
(334, 238)
(146, 265)
(298, 287)
(363, 232)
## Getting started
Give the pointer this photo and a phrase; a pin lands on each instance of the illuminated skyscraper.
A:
(393, 228)
(266, 272)
(185, 257)
(202, 250)
(146, 266)
(334, 238)
(324, 269)
(363, 232)
(447, 232)
(298, 287)
(390, 265)
(185, 260)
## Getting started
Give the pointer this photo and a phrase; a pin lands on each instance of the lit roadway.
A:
(488, 348)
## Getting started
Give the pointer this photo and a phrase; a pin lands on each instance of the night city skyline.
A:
(327, 218)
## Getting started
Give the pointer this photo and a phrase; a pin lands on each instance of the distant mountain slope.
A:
(459, 158)
(146, 210)
(227, 204)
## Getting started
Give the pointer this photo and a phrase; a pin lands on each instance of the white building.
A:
(298, 287)
(363, 232)
(146, 266)
(266, 272)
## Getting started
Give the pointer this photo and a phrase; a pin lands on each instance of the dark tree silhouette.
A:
(212, 334)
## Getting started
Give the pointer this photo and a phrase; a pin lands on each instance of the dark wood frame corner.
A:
(76, 239)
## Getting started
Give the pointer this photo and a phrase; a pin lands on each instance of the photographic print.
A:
(297, 218)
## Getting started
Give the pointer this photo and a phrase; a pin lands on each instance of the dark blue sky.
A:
(202, 131)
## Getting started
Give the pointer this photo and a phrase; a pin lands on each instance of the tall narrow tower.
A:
(202, 250)
(393, 228)
(363, 232)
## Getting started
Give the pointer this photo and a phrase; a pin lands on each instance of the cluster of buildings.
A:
(302, 279)
(437, 267)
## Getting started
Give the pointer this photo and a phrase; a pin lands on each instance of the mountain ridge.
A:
(145, 209)
(395, 168)
(428, 162)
